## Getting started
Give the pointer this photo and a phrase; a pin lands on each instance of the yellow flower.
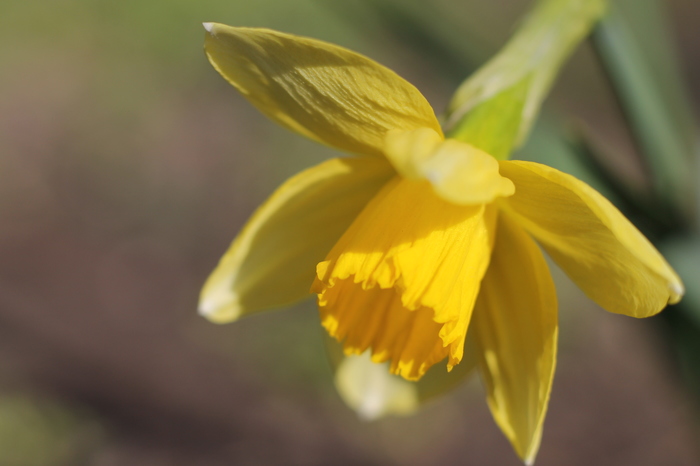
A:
(418, 239)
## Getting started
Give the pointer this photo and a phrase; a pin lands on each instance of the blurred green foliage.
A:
(41, 432)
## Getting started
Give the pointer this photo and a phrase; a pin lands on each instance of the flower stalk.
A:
(495, 108)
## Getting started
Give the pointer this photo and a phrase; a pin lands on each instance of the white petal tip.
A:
(219, 308)
(209, 303)
(676, 290)
(368, 415)
(209, 27)
(207, 311)
(204, 309)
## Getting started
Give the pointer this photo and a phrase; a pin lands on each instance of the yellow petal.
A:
(459, 172)
(607, 257)
(404, 277)
(320, 90)
(515, 332)
(272, 261)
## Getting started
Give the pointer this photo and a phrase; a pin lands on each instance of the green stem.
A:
(659, 132)
(495, 108)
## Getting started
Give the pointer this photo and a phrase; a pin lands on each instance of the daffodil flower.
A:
(416, 239)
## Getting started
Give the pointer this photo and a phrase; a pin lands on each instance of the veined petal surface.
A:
(459, 172)
(272, 262)
(404, 277)
(515, 333)
(322, 91)
(607, 257)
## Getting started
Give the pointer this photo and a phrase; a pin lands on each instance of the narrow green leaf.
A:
(683, 253)
(659, 131)
(649, 24)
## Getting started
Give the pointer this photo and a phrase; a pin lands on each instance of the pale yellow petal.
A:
(403, 279)
(272, 262)
(459, 172)
(607, 257)
(373, 392)
(515, 332)
(320, 90)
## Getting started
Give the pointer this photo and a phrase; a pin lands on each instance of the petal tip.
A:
(529, 459)
(677, 290)
(209, 27)
(219, 308)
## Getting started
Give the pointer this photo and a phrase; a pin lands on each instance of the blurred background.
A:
(127, 165)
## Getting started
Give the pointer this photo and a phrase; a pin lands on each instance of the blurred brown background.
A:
(127, 165)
